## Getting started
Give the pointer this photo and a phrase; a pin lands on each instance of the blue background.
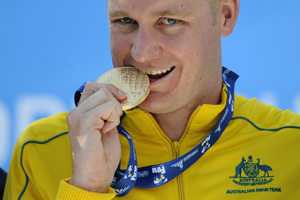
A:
(49, 48)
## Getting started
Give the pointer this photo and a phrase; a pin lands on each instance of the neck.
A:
(174, 123)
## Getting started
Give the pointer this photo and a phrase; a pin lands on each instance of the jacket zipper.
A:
(175, 147)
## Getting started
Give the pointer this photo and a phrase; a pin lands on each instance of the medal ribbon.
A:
(156, 175)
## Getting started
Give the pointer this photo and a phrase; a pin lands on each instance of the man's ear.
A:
(229, 15)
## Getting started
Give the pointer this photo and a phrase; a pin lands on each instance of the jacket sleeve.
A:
(70, 192)
(17, 180)
(40, 162)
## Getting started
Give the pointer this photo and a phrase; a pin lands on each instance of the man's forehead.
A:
(153, 7)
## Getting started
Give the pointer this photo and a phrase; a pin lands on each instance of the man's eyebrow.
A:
(117, 13)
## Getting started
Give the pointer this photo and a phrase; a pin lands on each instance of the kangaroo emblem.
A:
(238, 169)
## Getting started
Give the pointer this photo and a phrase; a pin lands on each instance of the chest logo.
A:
(252, 173)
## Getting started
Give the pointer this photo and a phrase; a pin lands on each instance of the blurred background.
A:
(49, 48)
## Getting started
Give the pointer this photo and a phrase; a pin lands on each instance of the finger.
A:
(111, 117)
(102, 118)
(93, 87)
(102, 96)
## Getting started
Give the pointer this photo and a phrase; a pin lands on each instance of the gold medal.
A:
(132, 81)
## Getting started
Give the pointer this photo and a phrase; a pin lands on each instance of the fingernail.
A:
(121, 93)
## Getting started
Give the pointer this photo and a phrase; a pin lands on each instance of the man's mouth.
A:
(157, 74)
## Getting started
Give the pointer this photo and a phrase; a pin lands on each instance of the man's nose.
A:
(145, 45)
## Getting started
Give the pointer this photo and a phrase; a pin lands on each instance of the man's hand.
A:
(96, 149)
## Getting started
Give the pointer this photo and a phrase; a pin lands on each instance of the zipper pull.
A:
(175, 147)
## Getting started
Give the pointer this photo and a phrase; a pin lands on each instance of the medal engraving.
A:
(132, 81)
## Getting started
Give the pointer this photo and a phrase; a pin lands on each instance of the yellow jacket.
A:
(257, 156)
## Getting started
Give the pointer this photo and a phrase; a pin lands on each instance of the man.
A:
(246, 149)
(2, 181)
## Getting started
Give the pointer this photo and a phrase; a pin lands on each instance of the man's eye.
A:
(127, 20)
(169, 21)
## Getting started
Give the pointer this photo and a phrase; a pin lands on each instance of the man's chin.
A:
(152, 108)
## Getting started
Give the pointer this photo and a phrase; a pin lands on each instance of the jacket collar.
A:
(202, 121)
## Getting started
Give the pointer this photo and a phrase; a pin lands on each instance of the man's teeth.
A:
(157, 71)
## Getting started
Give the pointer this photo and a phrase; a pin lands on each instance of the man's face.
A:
(176, 40)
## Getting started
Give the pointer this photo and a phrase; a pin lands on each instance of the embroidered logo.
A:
(252, 173)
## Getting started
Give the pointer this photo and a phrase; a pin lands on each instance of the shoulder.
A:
(263, 115)
(43, 148)
(45, 129)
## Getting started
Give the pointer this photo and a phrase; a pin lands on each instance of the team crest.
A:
(252, 173)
